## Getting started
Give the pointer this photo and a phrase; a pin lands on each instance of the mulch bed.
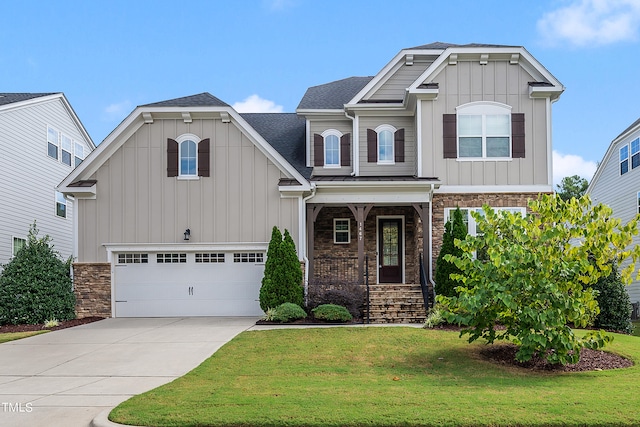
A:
(63, 324)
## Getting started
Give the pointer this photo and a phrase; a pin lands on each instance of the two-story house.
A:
(616, 183)
(177, 204)
(42, 141)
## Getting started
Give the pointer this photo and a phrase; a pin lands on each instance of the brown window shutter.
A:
(204, 158)
(318, 150)
(398, 141)
(449, 136)
(372, 146)
(517, 135)
(172, 157)
(345, 150)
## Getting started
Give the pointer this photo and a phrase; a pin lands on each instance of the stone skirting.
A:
(92, 286)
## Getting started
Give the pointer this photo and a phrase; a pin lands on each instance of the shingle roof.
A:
(286, 133)
(10, 98)
(333, 95)
(443, 45)
(204, 99)
(633, 125)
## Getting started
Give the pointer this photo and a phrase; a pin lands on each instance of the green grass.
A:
(636, 328)
(11, 336)
(390, 376)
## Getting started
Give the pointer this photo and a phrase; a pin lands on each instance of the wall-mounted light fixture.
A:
(187, 234)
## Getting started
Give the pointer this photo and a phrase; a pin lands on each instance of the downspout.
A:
(304, 253)
(354, 145)
(433, 285)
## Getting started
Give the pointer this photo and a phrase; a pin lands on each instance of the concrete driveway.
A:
(66, 378)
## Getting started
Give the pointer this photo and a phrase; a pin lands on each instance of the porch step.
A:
(396, 303)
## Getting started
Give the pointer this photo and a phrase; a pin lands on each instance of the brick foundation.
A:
(92, 286)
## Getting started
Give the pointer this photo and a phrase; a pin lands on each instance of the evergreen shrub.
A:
(332, 313)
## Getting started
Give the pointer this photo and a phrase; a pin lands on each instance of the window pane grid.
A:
(484, 136)
(210, 258)
(133, 258)
(248, 257)
(385, 146)
(172, 258)
(331, 150)
(341, 230)
(188, 158)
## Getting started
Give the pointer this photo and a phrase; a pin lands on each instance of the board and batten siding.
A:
(406, 168)
(137, 203)
(395, 87)
(620, 192)
(29, 176)
(319, 126)
(497, 81)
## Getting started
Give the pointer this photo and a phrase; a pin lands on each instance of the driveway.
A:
(67, 377)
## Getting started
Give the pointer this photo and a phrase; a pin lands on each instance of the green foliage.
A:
(332, 313)
(347, 294)
(435, 317)
(614, 303)
(282, 281)
(537, 276)
(288, 312)
(453, 229)
(36, 285)
(572, 186)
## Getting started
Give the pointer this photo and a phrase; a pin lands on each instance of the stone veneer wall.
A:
(324, 246)
(476, 200)
(92, 286)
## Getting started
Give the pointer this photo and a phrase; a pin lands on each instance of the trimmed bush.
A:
(332, 313)
(453, 229)
(614, 303)
(288, 312)
(349, 295)
(36, 284)
(282, 281)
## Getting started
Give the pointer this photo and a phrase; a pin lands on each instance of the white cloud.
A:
(592, 22)
(117, 110)
(255, 104)
(569, 165)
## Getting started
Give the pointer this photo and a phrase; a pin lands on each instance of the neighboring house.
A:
(363, 176)
(42, 141)
(617, 183)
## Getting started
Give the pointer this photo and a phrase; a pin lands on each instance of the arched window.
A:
(484, 130)
(386, 143)
(188, 158)
(331, 148)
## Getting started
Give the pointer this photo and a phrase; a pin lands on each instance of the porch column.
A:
(312, 214)
(360, 213)
(423, 213)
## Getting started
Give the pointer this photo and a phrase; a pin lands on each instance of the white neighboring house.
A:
(617, 183)
(42, 141)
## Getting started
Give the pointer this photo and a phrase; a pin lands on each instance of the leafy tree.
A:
(453, 229)
(282, 281)
(572, 186)
(538, 274)
(36, 284)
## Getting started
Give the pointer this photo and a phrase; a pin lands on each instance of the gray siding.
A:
(620, 193)
(408, 167)
(395, 87)
(136, 202)
(498, 81)
(29, 175)
(319, 126)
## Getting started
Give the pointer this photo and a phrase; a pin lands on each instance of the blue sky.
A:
(261, 55)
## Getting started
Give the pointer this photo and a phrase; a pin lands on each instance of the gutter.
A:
(304, 251)
(433, 284)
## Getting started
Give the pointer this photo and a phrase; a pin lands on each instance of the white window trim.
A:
(66, 205)
(483, 108)
(324, 135)
(627, 159)
(393, 130)
(348, 231)
(13, 244)
(182, 138)
(471, 224)
(638, 201)
(58, 149)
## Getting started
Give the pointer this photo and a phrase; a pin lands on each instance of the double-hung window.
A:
(341, 230)
(18, 244)
(61, 205)
(79, 154)
(386, 144)
(484, 131)
(52, 142)
(624, 159)
(635, 153)
(66, 145)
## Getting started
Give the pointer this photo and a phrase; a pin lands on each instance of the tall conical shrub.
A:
(282, 281)
(454, 229)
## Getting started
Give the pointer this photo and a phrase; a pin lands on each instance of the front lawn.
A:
(11, 336)
(382, 376)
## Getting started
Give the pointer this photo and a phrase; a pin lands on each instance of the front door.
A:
(390, 250)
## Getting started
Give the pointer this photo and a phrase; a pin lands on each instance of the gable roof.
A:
(10, 98)
(332, 96)
(286, 133)
(204, 99)
(444, 45)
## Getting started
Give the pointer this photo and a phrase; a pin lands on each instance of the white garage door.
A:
(188, 284)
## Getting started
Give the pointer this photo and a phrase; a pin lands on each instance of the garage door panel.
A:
(159, 289)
